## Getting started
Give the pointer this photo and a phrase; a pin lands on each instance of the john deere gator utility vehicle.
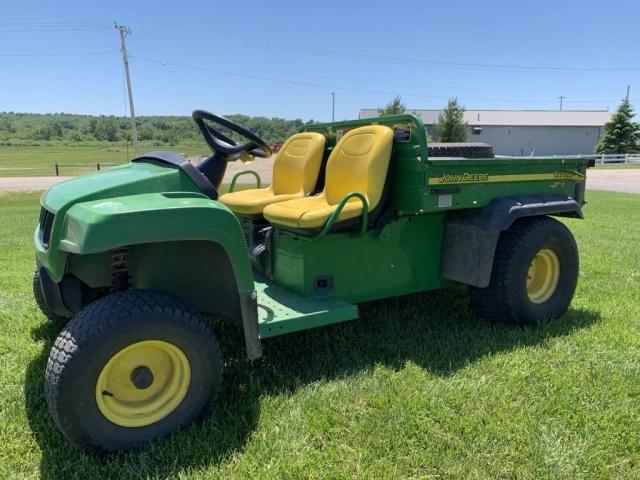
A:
(132, 261)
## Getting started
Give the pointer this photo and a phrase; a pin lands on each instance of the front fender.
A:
(103, 225)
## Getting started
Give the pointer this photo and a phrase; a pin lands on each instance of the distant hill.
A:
(31, 128)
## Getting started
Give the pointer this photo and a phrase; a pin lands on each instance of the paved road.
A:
(617, 180)
(26, 184)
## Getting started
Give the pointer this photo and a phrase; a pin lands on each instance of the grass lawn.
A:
(416, 388)
(75, 159)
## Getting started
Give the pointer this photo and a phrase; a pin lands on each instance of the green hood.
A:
(129, 179)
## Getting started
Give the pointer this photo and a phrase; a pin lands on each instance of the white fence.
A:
(622, 158)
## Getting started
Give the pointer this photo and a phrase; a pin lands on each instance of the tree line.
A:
(621, 135)
(22, 128)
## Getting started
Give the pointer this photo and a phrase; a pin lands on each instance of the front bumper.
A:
(63, 298)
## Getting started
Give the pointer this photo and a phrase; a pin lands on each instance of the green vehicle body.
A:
(441, 226)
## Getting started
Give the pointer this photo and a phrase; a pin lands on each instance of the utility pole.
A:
(124, 31)
(628, 89)
(561, 97)
(333, 106)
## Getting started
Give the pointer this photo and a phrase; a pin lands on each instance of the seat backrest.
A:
(296, 167)
(359, 163)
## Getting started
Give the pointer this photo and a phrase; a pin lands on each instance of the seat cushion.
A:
(251, 202)
(309, 212)
(295, 173)
(358, 163)
(296, 167)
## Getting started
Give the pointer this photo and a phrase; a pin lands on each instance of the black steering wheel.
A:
(224, 147)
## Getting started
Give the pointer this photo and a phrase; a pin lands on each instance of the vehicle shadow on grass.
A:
(436, 331)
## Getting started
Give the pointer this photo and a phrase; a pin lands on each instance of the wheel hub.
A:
(142, 377)
(143, 383)
(543, 276)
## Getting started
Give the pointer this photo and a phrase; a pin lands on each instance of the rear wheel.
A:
(130, 368)
(534, 276)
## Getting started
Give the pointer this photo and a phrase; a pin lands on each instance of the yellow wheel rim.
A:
(143, 383)
(543, 276)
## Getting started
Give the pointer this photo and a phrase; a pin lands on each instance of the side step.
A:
(282, 311)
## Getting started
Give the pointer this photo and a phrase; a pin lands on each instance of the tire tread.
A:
(101, 316)
(492, 302)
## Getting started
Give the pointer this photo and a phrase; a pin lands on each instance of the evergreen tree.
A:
(394, 107)
(621, 134)
(451, 126)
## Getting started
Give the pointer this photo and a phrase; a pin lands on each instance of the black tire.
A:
(461, 150)
(57, 320)
(506, 298)
(102, 330)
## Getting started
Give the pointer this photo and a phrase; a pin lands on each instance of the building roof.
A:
(513, 118)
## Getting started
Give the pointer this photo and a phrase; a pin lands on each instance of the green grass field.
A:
(416, 388)
(27, 161)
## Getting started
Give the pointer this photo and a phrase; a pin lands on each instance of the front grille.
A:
(46, 223)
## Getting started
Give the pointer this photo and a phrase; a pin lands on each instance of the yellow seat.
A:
(358, 163)
(295, 173)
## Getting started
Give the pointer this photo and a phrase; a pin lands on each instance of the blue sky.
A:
(285, 58)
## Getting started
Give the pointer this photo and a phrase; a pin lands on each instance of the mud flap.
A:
(470, 236)
(249, 309)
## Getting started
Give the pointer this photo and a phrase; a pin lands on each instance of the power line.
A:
(340, 79)
(334, 87)
(94, 25)
(418, 61)
(456, 87)
(52, 29)
(81, 25)
(59, 22)
(53, 26)
(56, 54)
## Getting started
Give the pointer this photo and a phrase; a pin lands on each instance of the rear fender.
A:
(470, 236)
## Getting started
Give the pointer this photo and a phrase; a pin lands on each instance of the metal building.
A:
(526, 132)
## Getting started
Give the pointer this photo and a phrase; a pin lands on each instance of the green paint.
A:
(411, 170)
(129, 179)
(281, 311)
(187, 244)
(400, 258)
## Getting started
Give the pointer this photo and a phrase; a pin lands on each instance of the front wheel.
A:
(534, 276)
(129, 368)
